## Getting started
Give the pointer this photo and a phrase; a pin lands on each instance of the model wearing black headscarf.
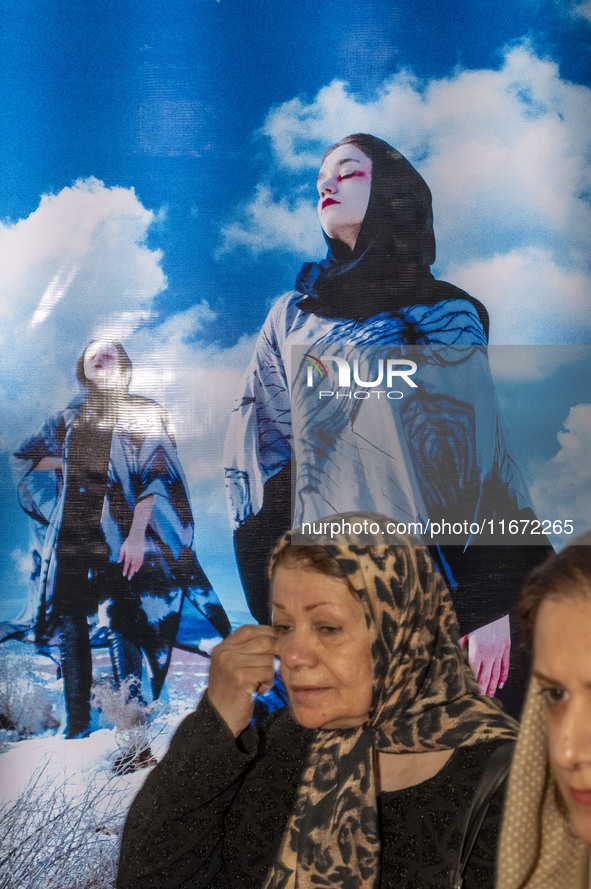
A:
(374, 288)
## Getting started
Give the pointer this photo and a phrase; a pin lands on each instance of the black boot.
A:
(76, 667)
(126, 659)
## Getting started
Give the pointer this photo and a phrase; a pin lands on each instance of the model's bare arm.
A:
(133, 547)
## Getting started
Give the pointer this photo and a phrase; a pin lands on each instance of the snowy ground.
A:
(61, 806)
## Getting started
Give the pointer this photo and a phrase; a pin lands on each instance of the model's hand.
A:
(240, 666)
(134, 546)
(132, 554)
(489, 648)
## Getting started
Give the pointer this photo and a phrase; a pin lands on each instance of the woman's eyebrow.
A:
(541, 677)
(314, 605)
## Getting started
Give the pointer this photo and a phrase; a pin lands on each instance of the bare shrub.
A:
(51, 838)
(24, 706)
(135, 729)
(119, 705)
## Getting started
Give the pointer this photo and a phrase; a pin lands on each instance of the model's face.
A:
(344, 185)
(101, 365)
(562, 666)
(324, 648)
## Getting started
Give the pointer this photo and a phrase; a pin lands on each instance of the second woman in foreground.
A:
(366, 779)
(546, 837)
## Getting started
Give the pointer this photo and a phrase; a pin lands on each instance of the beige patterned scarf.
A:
(538, 849)
(425, 698)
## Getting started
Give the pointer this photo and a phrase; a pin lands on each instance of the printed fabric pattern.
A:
(259, 438)
(143, 461)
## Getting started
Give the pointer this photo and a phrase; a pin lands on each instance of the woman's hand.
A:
(489, 648)
(240, 666)
(133, 547)
(132, 554)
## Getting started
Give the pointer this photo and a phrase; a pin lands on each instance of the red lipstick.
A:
(327, 202)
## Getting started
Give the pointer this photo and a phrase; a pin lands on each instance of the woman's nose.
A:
(297, 650)
(572, 742)
(327, 186)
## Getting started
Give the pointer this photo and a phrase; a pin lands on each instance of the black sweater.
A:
(213, 812)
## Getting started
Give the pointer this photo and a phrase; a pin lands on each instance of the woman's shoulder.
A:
(473, 760)
(422, 826)
(285, 310)
(141, 403)
(464, 770)
(139, 414)
(287, 322)
(280, 730)
(448, 299)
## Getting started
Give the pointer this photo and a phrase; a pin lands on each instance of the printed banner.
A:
(183, 372)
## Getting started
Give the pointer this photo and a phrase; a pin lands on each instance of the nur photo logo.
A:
(349, 376)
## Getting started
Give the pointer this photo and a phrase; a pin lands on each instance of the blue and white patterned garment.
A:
(143, 461)
(375, 455)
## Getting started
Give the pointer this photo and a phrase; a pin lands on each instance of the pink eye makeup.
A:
(350, 175)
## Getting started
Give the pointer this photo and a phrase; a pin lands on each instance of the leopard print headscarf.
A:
(425, 698)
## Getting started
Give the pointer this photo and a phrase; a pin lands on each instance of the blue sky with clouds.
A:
(159, 162)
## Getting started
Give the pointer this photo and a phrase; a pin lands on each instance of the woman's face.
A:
(324, 648)
(101, 365)
(562, 666)
(344, 185)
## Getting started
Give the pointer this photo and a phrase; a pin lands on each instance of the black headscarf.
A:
(389, 268)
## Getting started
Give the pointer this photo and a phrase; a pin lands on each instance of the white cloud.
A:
(506, 154)
(530, 297)
(196, 382)
(270, 224)
(562, 485)
(583, 10)
(575, 440)
(516, 364)
(22, 561)
(78, 267)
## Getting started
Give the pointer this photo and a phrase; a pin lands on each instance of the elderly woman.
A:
(366, 778)
(103, 483)
(435, 451)
(546, 839)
